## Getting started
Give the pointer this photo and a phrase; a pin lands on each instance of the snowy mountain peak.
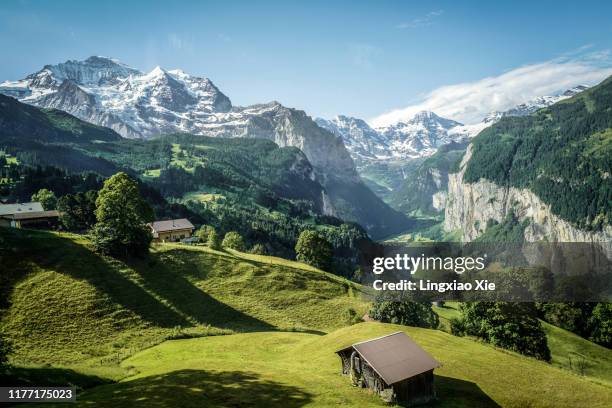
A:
(575, 90)
(105, 91)
(155, 73)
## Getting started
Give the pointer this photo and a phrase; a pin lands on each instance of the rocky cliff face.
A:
(470, 205)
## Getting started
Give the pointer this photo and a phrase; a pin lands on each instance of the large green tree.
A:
(121, 218)
(313, 249)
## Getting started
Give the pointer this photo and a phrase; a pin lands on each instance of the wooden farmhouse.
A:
(27, 215)
(171, 230)
(393, 366)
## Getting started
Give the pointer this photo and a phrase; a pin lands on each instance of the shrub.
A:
(400, 309)
(258, 249)
(213, 242)
(352, 317)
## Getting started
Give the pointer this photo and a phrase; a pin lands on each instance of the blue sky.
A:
(357, 58)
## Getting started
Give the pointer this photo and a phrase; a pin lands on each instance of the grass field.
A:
(301, 369)
(192, 326)
(564, 345)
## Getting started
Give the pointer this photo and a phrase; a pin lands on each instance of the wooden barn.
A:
(393, 366)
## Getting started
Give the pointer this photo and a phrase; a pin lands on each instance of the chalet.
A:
(171, 230)
(393, 366)
(27, 215)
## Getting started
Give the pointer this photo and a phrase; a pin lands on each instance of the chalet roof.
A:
(7, 209)
(395, 357)
(171, 225)
(30, 215)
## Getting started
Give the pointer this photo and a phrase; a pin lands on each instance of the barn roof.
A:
(8, 209)
(32, 215)
(395, 357)
(171, 225)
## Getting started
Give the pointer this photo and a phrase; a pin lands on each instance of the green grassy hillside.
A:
(300, 369)
(564, 346)
(244, 330)
(69, 307)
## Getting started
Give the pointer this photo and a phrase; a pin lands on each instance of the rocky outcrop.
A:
(469, 206)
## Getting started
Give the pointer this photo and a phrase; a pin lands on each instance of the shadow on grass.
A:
(456, 393)
(62, 255)
(166, 279)
(185, 303)
(197, 388)
(49, 377)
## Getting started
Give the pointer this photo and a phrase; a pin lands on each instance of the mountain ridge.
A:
(103, 91)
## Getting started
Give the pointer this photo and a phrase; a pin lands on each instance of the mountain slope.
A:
(135, 104)
(26, 123)
(552, 167)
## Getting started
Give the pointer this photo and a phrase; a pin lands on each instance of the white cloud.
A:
(424, 21)
(470, 102)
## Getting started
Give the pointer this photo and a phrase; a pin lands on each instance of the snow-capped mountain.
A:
(420, 136)
(135, 104)
(423, 134)
(359, 138)
(522, 109)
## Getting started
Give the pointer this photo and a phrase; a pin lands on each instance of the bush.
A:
(352, 317)
(213, 242)
(233, 240)
(400, 309)
(258, 249)
(457, 326)
(313, 249)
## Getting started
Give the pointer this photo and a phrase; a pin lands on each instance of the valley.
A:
(252, 329)
(235, 313)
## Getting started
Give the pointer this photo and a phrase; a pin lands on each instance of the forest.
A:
(561, 153)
